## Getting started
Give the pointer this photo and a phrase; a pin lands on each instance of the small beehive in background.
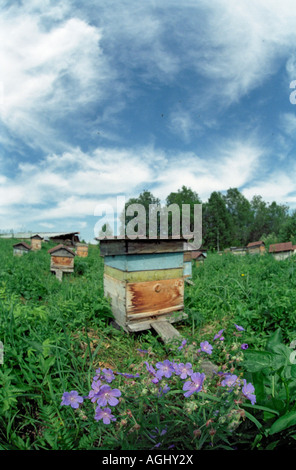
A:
(145, 281)
(61, 260)
(36, 242)
(82, 250)
(21, 248)
(198, 257)
(187, 264)
(256, 248)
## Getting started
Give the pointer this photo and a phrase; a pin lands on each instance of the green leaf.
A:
(284, 422)
(257, 360)
(274, 340)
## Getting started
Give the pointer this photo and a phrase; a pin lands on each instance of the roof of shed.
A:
(61, 247)
(278, 247)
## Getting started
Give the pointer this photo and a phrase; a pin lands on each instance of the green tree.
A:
(240, 211)
(145, 199)
(217, 229)
(186, 196)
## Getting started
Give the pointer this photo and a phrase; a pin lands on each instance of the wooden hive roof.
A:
(61, 247)
(279, 247)
(25, 245)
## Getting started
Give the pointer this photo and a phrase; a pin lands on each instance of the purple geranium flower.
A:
(165, 369)
(104, 414)
(229, 380)
(206, 347)
(71, 398)
(194, 385)
(248, 391)
(96, 387)
(218, 335)
(239, 328)
(107, 395)
(244, 346)
(108, 375)
(182, 344)
(183, 370)
(128, 376)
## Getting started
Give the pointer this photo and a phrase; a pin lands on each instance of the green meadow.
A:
(230, 384)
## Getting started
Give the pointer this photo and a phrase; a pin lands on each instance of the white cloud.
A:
(47, 74)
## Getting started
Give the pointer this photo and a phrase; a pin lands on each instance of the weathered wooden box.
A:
(21, 248)
(144, 280)
(36, 242)
(82, 250)
(61, 260)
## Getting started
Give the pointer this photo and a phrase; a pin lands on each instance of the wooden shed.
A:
(256, 248)
(21, 248)
(36, 242)
(82, 250)
(61, 260)
(145, 281)
(281, 250)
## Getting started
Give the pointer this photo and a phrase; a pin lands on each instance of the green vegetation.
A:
(58, 336)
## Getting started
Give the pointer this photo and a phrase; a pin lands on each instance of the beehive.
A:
(20, 249)
(61, 260)
(36, 242)
(82, 250)
(144, 280)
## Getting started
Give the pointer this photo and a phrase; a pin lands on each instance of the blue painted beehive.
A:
(144, 280)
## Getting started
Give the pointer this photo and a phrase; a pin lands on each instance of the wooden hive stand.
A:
(61, 260)
(145, 281)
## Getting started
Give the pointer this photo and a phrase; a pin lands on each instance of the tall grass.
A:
(57, 334)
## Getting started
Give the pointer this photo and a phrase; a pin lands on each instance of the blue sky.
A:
(105, 98)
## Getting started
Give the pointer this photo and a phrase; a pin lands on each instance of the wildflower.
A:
(128, 376)
(248, 390)
(218, 335)
(194, 385)
(165, 369)
(71, 398)
(206, 347)
(183, 370)
(239, 328)
(182, 344)
(93, 394)
(107, 395)
(242, 274)
(104, 414)
(244, 346)
(164, 390)
(229, 380)
(98, 374)
(108, 375)
(152, 371)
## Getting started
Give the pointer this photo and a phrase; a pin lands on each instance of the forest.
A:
(230, 219)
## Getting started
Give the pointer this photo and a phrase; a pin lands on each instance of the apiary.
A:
(61, 260)
(144, 280)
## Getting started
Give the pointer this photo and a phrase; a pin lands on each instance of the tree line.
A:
(230, 219)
